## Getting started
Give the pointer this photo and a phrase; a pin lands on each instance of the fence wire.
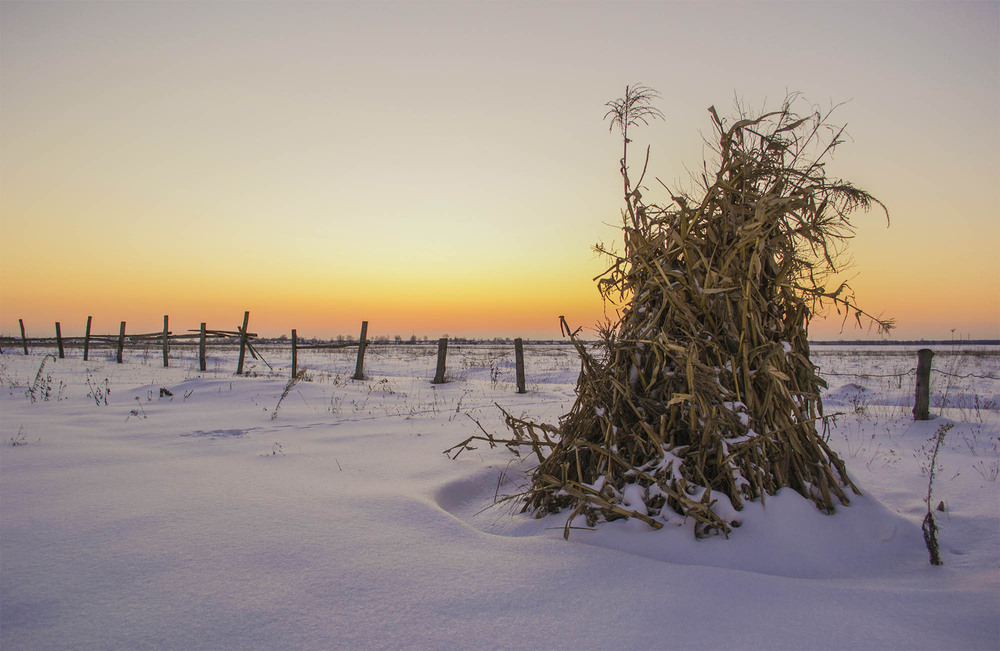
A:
(968, 375)
(911, 372)
(868, 375)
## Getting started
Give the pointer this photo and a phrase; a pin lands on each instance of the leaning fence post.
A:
(359, 370)
(243, 342)
(295, 353)
(59, 340)
(922, 400)
(166, 332)
(24, 340)
(121, 342)
(442, 353)
(519, 364)
(86, 339)
(201, 348)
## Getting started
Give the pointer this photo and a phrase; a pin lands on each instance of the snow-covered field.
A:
(223, 516)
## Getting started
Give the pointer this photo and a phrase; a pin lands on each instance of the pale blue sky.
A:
(423, 150)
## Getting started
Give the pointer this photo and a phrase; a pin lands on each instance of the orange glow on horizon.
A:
(432, 312)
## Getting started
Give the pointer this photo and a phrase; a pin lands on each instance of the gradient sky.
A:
(443, 167)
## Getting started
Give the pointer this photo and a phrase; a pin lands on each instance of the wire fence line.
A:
(967, 375)
(203, 336)
(869, 375)
(911, 372)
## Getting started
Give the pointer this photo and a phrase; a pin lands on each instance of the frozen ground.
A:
(223, 516)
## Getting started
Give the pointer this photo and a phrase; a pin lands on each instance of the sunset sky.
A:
(443, 167)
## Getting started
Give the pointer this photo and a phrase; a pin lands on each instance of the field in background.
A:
(964, 377)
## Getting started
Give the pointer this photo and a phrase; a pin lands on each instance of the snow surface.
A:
(216, 518)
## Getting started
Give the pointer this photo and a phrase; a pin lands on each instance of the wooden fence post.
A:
(86, 339)
(166, 332)
(59, 341)
(295, 353)
(442, 353)
(519, 364)
(24, 340)
(359, 370)
(201, 348)
(121, 342)
(922, 399)
(243, 342)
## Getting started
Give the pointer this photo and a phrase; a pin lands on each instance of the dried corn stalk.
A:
(705, 396)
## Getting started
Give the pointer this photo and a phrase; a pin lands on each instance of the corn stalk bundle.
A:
(702, 396)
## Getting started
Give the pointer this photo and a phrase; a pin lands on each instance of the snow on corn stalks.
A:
(702, 396)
